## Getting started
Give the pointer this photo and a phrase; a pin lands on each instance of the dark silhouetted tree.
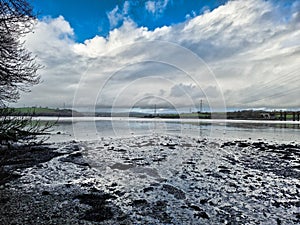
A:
(18, 68)
(18, 71)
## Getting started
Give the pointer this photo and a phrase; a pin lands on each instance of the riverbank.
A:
(275, 115)
(155, 179)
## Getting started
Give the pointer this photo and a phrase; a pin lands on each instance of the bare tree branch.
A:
(18, 68)
(18, 73)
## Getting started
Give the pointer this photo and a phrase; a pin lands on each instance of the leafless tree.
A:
(18, 72)
(18, 68)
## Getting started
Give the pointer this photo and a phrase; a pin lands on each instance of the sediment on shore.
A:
(151, 180)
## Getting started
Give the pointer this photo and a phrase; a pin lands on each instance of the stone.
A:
(45, 193)
(177, 193)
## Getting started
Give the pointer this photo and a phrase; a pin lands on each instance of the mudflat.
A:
(153, 179)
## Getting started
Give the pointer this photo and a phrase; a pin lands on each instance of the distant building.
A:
(267, 116)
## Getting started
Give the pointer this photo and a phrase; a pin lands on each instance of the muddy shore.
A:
(151, 180)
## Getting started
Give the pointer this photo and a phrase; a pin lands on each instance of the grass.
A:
(289, 116)
(194, 115)
(34, 109)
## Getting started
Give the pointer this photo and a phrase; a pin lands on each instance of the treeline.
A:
(237, 115)
(45, 112)
(264, 115)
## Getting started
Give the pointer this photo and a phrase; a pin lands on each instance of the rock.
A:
(248, 176)
(119, 150)
(273, 147)
(121, 166)
(6, 177)
(137, 159)
(76, 147)
(179, 194)
(159, 159)
(147, 189)
(278, 221)
(159, 211)
(243, 144)
(287, 157)
(222, 167)
(4, 200)
(202, 215)
(45, 193)
(114, 184)
(195, 207)
(99, 211)
(224, 171)
(3, 147)
(189, 163)
(203, 201)
(93, 189)
(119, 193)
(183, 176)
(276, 204)
(139, 202)
(76, 158)
(77, 154)
(169, 144)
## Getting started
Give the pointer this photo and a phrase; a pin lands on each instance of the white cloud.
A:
(114, 17)
(52, 43)
(156, 7)
(118, 15)
(150, 6)
(247, 45)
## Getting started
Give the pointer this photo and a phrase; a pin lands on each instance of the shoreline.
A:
(153, 179)
(212, 121)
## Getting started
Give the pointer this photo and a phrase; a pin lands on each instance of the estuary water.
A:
(95, 128)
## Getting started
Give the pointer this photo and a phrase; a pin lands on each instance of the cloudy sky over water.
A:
(235, 54)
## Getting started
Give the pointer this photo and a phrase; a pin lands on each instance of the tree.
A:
(18, 68)
(18, 71)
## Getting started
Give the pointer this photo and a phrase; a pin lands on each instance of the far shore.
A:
(156, 119)
(240, 116)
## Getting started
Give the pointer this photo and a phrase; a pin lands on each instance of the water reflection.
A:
(95, 129)
(264, 125)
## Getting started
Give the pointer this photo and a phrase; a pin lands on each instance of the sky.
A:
(98, 17)
(239, 54)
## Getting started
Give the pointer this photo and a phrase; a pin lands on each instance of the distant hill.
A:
(39, 111)
(237, 115)
(242, 115)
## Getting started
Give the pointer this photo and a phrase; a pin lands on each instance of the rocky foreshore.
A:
(151, 180)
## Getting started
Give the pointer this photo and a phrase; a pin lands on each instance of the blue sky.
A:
(235, 54)
(90, 18)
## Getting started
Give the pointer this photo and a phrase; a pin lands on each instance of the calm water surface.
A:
(89, 128)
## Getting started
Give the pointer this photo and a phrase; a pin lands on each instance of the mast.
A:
(201, 104)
